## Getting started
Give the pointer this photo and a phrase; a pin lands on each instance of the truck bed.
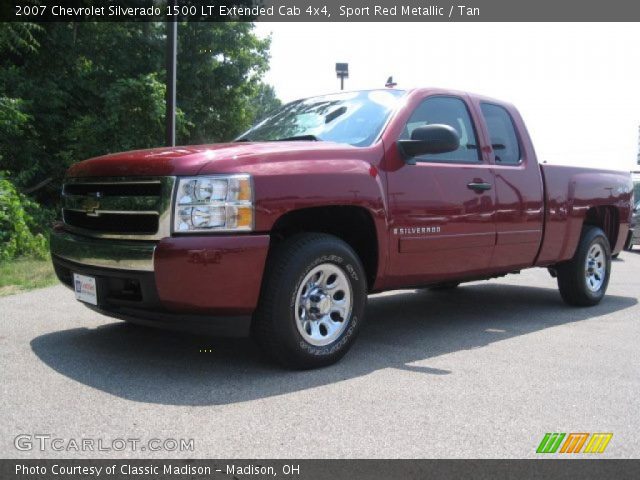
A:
(573, 193)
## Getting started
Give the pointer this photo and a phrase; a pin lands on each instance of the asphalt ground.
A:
(483, 371)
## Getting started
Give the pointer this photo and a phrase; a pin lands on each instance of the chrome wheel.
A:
(323, 304)
(595, 267)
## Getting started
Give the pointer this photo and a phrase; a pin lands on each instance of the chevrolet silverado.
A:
(284, 231)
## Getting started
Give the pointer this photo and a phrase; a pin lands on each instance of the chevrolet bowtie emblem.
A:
(90, 205)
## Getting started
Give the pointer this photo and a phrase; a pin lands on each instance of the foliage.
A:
(137, 106)
(70, 91)
(219, 71)
(265, 102)
(17, 131)
(16, 38)
(18, 225)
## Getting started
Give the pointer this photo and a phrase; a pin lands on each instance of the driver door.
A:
(442, 207)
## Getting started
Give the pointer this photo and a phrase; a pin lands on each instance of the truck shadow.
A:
(155, 366)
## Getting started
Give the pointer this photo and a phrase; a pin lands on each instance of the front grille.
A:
(113, 222)
(136, 208)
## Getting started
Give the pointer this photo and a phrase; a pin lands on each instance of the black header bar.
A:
(317, 469)
(322, 10)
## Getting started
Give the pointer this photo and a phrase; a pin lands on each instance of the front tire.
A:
(583, 280)
(312, 301)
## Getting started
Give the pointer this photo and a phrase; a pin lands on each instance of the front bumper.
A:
(125, 255)
(203, 282)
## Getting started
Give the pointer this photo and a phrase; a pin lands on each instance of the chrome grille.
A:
(133, 208)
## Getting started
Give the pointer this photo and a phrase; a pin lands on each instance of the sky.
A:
(577, 85)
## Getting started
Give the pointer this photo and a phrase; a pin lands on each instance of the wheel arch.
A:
(605, 217)
(353, 224)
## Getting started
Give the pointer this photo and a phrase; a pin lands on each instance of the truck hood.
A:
(219, 158)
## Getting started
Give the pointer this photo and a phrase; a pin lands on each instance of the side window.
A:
(448, 111)
(503, 134)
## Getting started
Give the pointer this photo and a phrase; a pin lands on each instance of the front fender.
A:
(329, 183)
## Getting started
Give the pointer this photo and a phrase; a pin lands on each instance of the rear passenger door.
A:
(443, 206)
(518, 189)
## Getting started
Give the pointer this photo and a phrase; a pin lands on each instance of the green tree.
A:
(16, 130)
(219, 70)
(17, 38)
(17, 225)
(69, 91)
(264, 102)
(133, 117)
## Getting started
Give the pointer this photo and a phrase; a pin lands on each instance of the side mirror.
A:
(427, 139)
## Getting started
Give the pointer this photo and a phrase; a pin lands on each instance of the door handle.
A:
(479, 186)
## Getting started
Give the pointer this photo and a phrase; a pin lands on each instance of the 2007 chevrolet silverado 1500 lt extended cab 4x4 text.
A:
(284, 231)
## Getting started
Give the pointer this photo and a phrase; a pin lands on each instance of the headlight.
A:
(215, 203)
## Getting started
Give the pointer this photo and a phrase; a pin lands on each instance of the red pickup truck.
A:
(283, 232)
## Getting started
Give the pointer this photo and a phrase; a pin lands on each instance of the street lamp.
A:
(342, 70)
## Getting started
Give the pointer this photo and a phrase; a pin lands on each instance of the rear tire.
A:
(583, 280)
(312, 302)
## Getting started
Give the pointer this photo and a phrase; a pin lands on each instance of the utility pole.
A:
(172, 61)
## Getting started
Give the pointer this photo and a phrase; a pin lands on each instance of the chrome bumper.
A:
(117, 254)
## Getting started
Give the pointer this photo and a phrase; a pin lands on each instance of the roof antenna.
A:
(390, 83)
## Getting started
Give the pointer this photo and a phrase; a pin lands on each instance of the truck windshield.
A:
(355, 118)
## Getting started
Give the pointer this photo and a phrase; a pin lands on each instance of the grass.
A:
(24, 274)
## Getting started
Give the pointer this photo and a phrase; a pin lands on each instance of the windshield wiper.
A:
(312, 138)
